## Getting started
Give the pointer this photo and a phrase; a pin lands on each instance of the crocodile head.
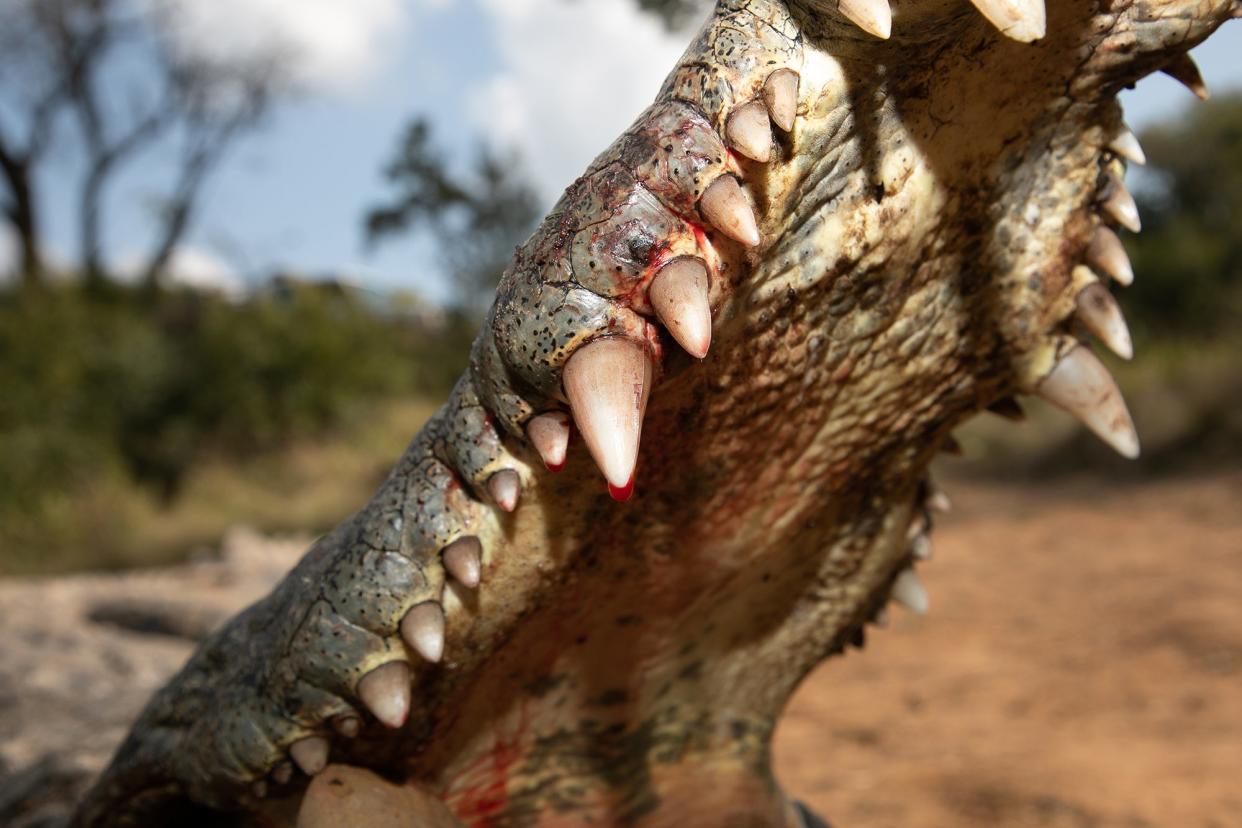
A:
(841, 230)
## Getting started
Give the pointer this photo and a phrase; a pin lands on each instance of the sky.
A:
(555, 80)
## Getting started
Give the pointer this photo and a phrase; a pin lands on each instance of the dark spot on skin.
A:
(628, 620)
(691, 671)
(611, 698)
(543, 685)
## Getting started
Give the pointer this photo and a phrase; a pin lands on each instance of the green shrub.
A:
(130, 386)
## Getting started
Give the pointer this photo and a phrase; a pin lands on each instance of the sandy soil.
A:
(1081, 668)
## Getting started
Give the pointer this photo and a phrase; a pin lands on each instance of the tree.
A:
(475, 219)
(106, 79)
(1189, 255)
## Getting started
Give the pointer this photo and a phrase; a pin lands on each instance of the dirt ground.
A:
(1081, 667)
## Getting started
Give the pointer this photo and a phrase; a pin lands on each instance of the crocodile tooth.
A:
(310, 754)
(679, 294)
(1080, 384)
(780, 93)
(938, 501)
(607, 382)
(423, 629)
(1099, 311)
(282, 774)
(1127, 146)
(1120, 205)
(921, 548)
(874, 17)
(549, 434)
(504, 486)
(909, 592)
(724, 205)
(386, 692)
(1009, 408)
(749, 131)
(1184, 69)
(1108, 256)
(1022, 20)
(918, 526)
(462, 559)
(347, 725)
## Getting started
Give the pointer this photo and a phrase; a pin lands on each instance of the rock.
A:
(81, 655)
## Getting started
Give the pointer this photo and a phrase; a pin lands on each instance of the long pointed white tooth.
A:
(921, 548)
(938, 501)
(1107, 256)
(1127, 145)
(423, 629)
(725, 207)
(1100, 312)
(1120, 205)
(505, 486)
(780, 93)
(679, 294)
(549, 434)
(909, 592)
(607, 382)
(874, 17)
(386, 693)
(750, 132)
(463, 560)
(1022, 20)
(310, 754)
(1081, 385)
(1184, 69)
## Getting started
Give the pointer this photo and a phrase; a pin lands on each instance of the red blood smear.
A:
(622, 493)
(555, 468)
(484, 805)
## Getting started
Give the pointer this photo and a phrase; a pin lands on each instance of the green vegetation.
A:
(130, 392)
(1189, 256)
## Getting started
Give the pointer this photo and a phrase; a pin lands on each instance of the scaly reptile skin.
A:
(921, 235)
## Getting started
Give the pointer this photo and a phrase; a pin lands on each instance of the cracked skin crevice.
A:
(626, 663)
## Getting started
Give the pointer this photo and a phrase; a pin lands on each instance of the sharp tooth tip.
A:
(607, 382)
(310, 754)
(679, 294)
(725, 207)
(386, 693)
(423, 629)
(623, 492)
(1081, 385)
(505, 487)
(462, 560)
(908, 591)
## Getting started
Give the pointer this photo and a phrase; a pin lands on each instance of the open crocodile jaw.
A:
(922, 225)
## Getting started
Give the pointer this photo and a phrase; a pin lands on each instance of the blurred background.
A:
(244, 246)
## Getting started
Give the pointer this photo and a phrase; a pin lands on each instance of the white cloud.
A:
(575, 75)
(337, 45)
(189, 266)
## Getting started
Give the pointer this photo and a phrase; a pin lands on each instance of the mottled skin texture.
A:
(627, 663)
